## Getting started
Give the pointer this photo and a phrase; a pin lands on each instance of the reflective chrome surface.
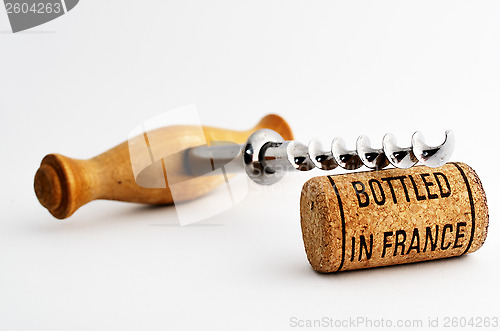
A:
(347, 159)
(433, 156)
(322, 158)
(263, 159)
(371, 157)
(266, 156)
(298, 157)
(400, 157)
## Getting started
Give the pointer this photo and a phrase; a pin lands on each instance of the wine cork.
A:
(394, 216)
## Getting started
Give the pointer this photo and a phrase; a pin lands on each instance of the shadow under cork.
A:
(420, 266)
(299, 266)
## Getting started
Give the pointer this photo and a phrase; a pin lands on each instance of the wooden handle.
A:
(62, 184)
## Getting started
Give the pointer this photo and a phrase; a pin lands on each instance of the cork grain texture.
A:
(393, 216)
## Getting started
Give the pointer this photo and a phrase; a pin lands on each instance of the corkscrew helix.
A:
(266, 155)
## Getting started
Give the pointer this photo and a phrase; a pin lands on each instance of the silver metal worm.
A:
(266, 155)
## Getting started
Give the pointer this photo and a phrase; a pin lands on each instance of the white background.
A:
(79, 84)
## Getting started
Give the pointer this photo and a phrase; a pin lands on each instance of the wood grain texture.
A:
(63, 184)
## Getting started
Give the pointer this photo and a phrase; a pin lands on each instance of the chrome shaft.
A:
(266, 156)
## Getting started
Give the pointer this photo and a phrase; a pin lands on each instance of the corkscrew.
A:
(266, 156)
(175, 154)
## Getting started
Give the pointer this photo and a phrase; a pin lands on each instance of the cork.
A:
(394, 216)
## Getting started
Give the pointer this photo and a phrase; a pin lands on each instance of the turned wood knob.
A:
(62, 184)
